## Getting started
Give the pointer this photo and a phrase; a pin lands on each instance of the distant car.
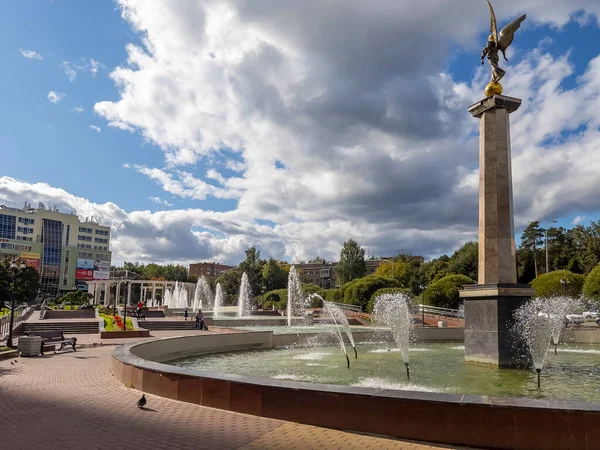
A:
(590, 315)
(575, 319)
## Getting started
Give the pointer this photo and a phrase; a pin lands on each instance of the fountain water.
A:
(295, 300)
(244, 297)
(177, 298)
(339, 318)
(217, 310)
(328, 307)
(558, 308)
(202, 295)
(391, 310)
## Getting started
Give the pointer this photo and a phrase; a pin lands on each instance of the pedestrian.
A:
(140, 305)
(197, 320)
(185, 314)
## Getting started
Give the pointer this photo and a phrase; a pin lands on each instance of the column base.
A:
(489, 310)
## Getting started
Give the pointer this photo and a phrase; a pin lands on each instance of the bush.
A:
(444, 292)
(382, 291)
(548, 284)
(333, 295)
(115, 323)
(591, 286)
(359, 291)
(75, 298)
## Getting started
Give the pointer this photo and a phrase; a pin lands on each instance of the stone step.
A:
(167, 325)
(65, 327)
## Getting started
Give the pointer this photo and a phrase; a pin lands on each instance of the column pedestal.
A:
(490, 305)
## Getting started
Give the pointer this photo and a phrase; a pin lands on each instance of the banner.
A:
(84, 274)
(101, 270)
(31, 259)
(85, 263)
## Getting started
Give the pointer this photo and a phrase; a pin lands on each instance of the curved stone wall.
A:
(470, 420)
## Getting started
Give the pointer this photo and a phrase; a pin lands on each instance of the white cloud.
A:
(55, 97)
(31, 54)
(77, 109)
(578, 219)
(95, 128)
(70, 70)
(94, 66)
(160, 201)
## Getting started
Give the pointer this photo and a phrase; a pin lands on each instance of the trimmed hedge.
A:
(444, 292)
(359, 291)
(591, 286)
(549, 285)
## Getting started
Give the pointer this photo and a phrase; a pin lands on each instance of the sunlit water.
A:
(572, 374)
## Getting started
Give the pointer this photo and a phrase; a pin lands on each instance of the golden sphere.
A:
(493, 89)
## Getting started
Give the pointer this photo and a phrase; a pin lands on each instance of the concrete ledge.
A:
(496, 290)
(470, 420)
(9, 354)
(124, 334)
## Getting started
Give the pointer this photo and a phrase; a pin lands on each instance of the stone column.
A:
(129, 285)
(489, 305)
(107, 293)
(118, 293)
(153, 293)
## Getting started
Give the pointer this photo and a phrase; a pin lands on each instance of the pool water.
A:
(574, 373)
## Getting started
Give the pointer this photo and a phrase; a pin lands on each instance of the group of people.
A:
(200, 324)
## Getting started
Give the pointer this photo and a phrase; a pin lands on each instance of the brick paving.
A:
(71, 401)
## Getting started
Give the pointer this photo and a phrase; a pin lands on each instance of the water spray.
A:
(347, 360)
(539, 372)
(407, 371)
(555, 348)
(355, 352)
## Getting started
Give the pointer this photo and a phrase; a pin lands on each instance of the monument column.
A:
(489, 305)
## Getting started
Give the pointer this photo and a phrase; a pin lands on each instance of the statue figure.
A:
(498, 43)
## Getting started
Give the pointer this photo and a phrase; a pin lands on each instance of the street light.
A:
(16, 267)
(126, 284)
(550, 221)
(423, 287)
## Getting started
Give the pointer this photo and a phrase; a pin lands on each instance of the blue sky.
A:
(239, 127)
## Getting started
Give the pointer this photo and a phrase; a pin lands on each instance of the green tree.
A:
(435, 269)
(27, 283)
(548, 284)
(591, 286)
(360, 290)
(274, 275)
(230, 285)
(76, 298)
(465, 260)
(444, 293)
(352, 262)
(253, 265)
(398, 270)
(532, 240)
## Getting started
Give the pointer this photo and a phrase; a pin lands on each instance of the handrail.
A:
(354, 308)
(448, 312)
(21, 314)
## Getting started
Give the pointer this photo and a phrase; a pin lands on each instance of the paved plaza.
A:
(71, 401)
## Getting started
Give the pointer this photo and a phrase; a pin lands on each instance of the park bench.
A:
(54, 337)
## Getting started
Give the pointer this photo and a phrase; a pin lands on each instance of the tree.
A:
(393, 269)
(230, 285)
(316, 260)
(465, 260)
(76, 298)
(274, 276)
(435, 269)
(532, 239)
(444, 293)
(352, 262)
(27, 283)
(360, 290)
(548, 284)
(253, 265)
(591, 286)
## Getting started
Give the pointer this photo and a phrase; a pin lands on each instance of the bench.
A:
(138, 315)
(54, 337)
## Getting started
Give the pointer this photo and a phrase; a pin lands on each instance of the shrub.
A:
(382, 291)
(115, 323)
(548, 284)
(359, 291)
(444, 292)
(333, 295)
(591, 286)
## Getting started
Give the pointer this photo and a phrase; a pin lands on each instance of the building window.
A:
(102, 257)
(68, 234)
(85, 230)
(26, 220)
(101, 240)
(86, 255)
(50, 277)
(84, 238)
(102, 232)
(7, 226)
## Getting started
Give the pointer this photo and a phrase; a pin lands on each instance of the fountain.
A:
(295, 300)
(391, 310)
(202, 295)
(177, 298)
(218, 308)
(339, 318)
(558, 308)
(244, 297)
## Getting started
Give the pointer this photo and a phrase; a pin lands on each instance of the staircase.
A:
(66, 327)
(167, 325)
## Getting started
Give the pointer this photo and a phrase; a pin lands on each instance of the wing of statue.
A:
(493, 26)
(508, 33)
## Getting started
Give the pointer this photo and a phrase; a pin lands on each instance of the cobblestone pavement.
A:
(71, 401)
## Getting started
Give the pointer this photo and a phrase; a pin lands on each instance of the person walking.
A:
(185, 314)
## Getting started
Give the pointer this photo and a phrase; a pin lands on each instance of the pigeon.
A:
(142, 401)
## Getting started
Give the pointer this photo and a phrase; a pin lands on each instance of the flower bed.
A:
(115, 323)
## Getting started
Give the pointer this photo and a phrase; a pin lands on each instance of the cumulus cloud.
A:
(578, 219)
(55, 97)
(330, 120)
(95, 128)
(31, 54)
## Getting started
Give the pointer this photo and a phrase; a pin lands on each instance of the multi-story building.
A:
(208, 269)
(64, 250)
(323, 274)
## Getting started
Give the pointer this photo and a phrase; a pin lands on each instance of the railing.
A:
(21, 314)
(344, 306)
(452, 314)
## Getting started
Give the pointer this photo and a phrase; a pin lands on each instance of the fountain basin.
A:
(472, 420)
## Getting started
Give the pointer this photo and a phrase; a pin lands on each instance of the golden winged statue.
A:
(498, 42)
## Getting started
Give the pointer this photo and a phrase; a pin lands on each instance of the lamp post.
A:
(125, 284)
(550, 221)
(422, 286)
(16, 267)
